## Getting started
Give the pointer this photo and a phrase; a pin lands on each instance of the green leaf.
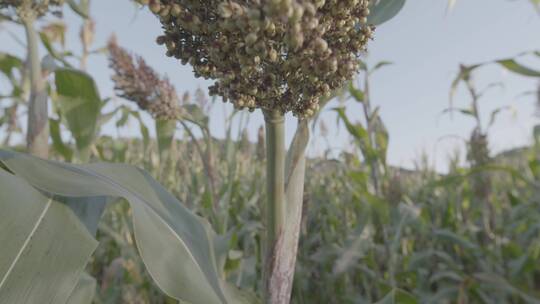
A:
(463, 75)
(356, 130)
(57, 142)
(464, 111)
(383, 10)
(359, 133)
(493, 279)
(536, 133)
(84, 290)
(357, 94)
(398, 296)
(87, 209)
(165, 133)
(195, 114)
(80, 7)
(513, 66)
(496, 112)
(382, 138)
(79, 102)
(240, 297)
(143, 128)
(380, 65)
(44, 246)
(447, 235)
(8, 63)
(51, 50)
(175, 244)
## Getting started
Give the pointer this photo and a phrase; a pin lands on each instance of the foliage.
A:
(370, 232)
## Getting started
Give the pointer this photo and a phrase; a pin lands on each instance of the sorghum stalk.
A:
(280, 56)
(374, 164)
(38, 122)
(275, 203)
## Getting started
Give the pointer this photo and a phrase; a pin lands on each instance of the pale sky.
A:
(426, 45)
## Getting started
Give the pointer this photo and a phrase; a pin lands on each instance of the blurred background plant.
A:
(370, 231)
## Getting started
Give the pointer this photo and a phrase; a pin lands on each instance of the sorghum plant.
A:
(26, 12)
(280, 56)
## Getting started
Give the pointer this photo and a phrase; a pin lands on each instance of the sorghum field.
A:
(189, 217)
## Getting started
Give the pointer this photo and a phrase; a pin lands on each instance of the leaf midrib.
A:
(26, 241)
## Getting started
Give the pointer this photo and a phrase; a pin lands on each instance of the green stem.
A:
(275, 175)
(374, 164)
(38, 122)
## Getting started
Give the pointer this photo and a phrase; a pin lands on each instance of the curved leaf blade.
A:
(175, 244)
(80, 104)
(515, 67)
(383, 10)
(44, 246)
(85, 290)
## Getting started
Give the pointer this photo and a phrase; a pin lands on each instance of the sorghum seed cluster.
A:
(27, 8)
(276, 54)
(134, 80)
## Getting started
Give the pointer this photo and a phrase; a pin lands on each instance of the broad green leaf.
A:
(384, 10)
(175, 244)
(44, 246)
(87, 209)
(80, 104)
(513, 66)
(84, 290)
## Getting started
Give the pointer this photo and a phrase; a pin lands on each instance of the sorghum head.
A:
(276, 54)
